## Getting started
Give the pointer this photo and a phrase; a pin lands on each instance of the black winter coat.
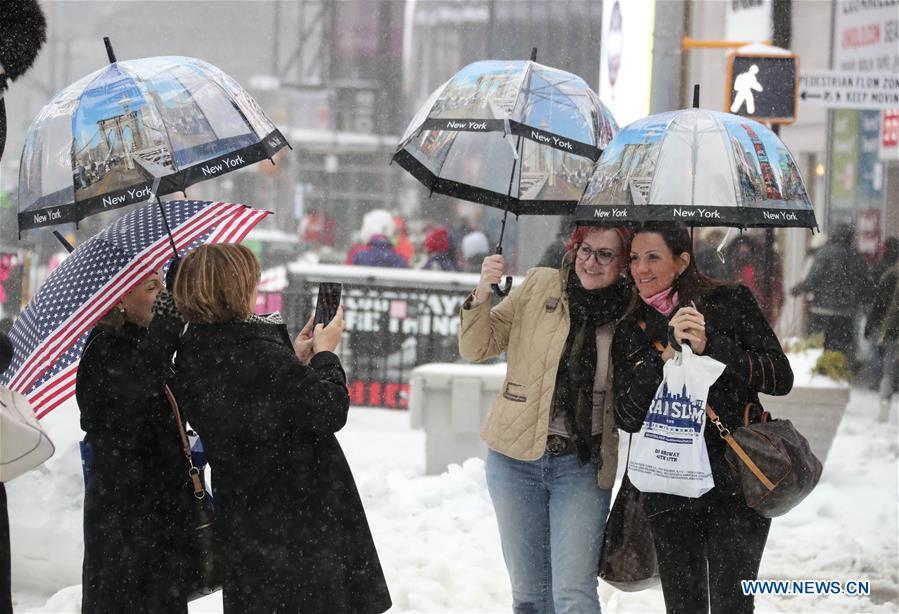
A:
(136, 499)
(290, 525)
(839, 280)
(883, 319)
(738, 336)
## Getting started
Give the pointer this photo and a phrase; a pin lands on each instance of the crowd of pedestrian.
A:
(586, 344)
(383, 241)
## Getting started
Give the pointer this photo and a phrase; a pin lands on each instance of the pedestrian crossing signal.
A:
(763, 87)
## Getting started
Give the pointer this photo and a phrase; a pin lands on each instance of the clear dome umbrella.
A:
(135, 130)
(700, 167)
(516, 135)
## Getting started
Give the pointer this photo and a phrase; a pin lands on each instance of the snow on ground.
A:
(437, 538)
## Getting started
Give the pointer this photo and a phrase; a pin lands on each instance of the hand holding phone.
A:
(326, 338)
(302, 344)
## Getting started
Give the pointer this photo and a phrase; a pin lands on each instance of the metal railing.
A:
(396, 319)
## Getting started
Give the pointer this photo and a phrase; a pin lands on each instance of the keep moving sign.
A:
(669, 454)
(849, 90)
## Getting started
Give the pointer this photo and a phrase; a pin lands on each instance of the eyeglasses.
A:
(602, 256)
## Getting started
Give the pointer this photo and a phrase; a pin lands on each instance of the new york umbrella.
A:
(49, 334)
(134, 130)
(516, 135)
(700, 167)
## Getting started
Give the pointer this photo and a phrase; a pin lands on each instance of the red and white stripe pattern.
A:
(47, 374)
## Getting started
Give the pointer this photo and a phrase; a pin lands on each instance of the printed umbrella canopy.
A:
(460, 143)
(516, 135)
(700, 167)
(137, 129)
(50, 333)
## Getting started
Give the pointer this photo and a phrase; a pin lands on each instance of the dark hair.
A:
(692, 284)
(891, 250)
(843, 234)
(6, 352)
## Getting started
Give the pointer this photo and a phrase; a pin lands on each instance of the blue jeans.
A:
(551, 515)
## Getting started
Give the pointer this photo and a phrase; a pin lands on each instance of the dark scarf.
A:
(573, 394)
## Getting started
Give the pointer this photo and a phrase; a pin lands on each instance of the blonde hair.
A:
(215, 282)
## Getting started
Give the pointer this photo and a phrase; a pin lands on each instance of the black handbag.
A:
(203, 574)
(628, 560)
(775, 464)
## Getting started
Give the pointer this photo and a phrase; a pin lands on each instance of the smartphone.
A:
(327, 303)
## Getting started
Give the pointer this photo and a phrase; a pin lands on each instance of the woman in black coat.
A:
(136, 500)
(291, 531)
(706, 545)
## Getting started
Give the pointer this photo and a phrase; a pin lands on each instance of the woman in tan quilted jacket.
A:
(551, 436)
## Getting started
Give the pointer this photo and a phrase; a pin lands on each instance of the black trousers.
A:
(839, 333)
(705, 546)
(5, 564)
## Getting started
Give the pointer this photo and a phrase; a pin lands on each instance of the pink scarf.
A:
(664, 302)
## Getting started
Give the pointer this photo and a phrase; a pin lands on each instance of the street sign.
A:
(762, 87)
(849, 90)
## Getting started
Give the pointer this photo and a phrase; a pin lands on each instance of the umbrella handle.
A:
(504, 289)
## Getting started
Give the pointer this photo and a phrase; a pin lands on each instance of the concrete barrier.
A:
(450, 401)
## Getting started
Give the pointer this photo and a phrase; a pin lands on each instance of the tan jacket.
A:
(531, 325)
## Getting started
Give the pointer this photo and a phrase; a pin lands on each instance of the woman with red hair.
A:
(553, 449)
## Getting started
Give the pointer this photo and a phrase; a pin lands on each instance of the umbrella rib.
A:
(728, 147)
(665, 134)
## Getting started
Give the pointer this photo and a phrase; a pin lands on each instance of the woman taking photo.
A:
(551, 437)
(706, 545)
(291, 532)
(136, 502)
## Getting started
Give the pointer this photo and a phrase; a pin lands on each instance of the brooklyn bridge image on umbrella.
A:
(137, 129)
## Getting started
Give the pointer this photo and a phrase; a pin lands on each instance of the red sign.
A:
(393, 395)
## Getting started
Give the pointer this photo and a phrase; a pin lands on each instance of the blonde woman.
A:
(291, 531)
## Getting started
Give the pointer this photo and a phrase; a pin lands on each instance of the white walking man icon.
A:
(743, 86)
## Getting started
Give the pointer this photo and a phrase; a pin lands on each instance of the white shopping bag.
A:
(668, 455)
(23, 443)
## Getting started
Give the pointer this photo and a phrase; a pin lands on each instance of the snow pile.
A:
(437, 536)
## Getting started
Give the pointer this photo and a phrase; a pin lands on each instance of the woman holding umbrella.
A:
(706, 545)
(290, 527)
(136, 503)
(551, 437)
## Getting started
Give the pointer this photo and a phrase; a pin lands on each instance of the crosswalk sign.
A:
(763, 87)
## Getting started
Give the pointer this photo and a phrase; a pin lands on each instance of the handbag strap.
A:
(199, 491)
(724, 432)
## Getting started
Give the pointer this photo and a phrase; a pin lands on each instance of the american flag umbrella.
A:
(135, 130)
(50, 333)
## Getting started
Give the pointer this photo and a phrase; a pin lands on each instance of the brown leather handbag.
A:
(775, 464)
(628, 560)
